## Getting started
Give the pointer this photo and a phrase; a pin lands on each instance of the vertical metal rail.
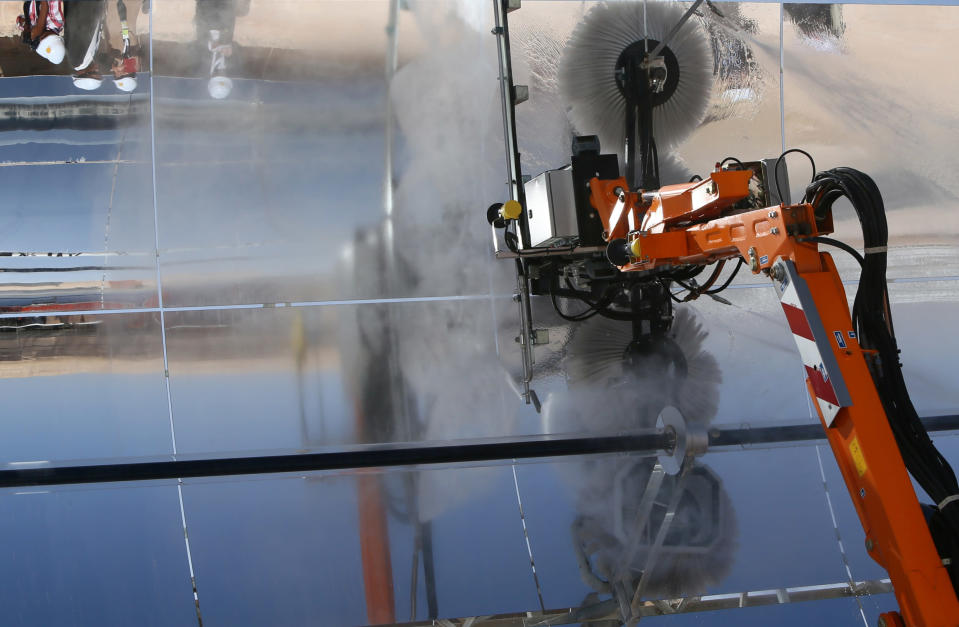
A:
(517, 191)
(388, 277)
(392, 53)
(501, 30)
(163, 338)
(782, 89)
(429, 570)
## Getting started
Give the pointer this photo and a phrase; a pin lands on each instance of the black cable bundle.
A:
(872, 320)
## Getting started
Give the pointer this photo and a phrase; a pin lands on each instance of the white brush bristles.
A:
(587, 78)
(594, 356)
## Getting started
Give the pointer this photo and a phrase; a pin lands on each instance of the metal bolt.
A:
(516, 298)
(778, 273)
(870, 545)
(862, 493)
(773, 214)
(774, 230)
(618, 191)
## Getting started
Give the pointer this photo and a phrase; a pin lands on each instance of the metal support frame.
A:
(608, 610)
(652, 443)
(517, 192)
(675, 29)
(651, 557)
(653, 486)
(514, 169)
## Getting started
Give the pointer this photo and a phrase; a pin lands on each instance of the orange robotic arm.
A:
(695, 223)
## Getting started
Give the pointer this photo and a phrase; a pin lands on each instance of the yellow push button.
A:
(511, 210)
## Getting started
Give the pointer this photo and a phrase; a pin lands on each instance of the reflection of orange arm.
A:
(374, 543)
(375, 551)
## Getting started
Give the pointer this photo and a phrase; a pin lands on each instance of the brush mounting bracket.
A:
(636, 53)
(645, 82)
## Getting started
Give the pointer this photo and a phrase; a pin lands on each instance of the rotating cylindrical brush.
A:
(594, 53)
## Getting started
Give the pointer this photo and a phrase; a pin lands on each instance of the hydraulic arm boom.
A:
(697, 223)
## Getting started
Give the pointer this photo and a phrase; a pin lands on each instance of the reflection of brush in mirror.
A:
(606, 367)
(615, 385)
(620, 516)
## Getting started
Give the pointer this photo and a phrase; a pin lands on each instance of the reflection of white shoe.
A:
(52, 49)
(87, 83)
(220, 87)
(126, 83)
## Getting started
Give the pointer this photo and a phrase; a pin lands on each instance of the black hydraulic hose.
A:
(729, 280)
(872, 320)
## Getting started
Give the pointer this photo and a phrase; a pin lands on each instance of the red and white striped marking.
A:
(813, 360)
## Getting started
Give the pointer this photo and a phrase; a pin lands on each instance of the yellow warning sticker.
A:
(857, 457)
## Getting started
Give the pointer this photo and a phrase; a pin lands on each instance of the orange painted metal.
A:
(769, 232)
(892, 619)
(875, 474)
(620, 210)
(623, 211)
(860, 436)
(701, 200)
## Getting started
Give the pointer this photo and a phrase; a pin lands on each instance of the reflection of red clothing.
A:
(54, 14)
(130, 65)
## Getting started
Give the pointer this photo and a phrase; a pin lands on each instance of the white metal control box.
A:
(551, 209)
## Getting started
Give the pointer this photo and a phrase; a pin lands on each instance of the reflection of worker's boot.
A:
(88, 79)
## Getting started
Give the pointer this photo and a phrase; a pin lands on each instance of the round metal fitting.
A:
(689, 440)
(753, 260)
(636, 51)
